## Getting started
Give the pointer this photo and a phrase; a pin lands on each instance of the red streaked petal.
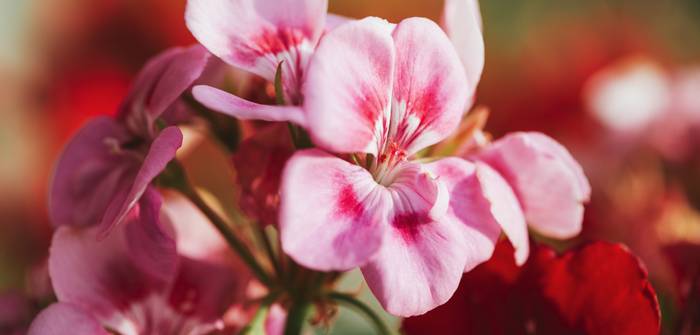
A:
(332, 214)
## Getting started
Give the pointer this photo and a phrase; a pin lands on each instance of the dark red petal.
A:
(600, 288)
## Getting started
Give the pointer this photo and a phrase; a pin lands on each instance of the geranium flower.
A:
(600, 288)
(110, 162)
(257, 36)
(388, 91)
(138, 280)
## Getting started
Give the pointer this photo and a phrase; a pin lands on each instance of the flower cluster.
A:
(363, 159)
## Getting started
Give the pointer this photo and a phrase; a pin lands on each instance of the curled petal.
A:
(430, 88)
(423, 255)
(347, 92)
(468, 207)
(332, 212)
(461, 20)
(242, 109)
(506, 209)
(160, 153)
(65, 319)
(549, 183)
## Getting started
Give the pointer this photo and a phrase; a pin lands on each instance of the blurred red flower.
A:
(600, 288)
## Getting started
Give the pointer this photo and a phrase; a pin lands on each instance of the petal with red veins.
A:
(87, 174)
(549, 183)
(347, 92)
(468, 207)
(423, 254)
(332, 214)
(505, 208)
(461, 20)
(160, 153)
(229, 104)
(257, 35)
(65, 319)
(430, 88)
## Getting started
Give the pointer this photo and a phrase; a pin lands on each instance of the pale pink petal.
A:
(229, 104)
(196, 236)
(347, 93)
(335, 20)
(160, 153)
(65, 319)
(332, 212)
(469, 207)
(87, 174)
(549, 183)
(461, 20)
(423, 255)
(430, 88)
(257, 35)
(506, 209)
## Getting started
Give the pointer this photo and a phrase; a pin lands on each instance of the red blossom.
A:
(600, 288)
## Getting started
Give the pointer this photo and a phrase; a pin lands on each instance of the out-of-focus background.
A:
(618, 82)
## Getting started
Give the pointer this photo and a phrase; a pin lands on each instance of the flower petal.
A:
(550, 184)
(255, 35)
(160, 153)
(600, 288)
(506, 209)
(430, 88)
(423, 255)
(468, 207)
(229, 104)
(461, 20)
(87, 174)
(106, 277)
(65, 319)
(347, 91)
(332, 212)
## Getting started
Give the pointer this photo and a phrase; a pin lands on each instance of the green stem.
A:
(257, 323)
(179, 181)
(296, 318)
(361, 307)
(267, 245)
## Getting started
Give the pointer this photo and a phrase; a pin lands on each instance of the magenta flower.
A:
(256, 36)
(386, 91)
(135, 281)
(109, 163)
(549, 184)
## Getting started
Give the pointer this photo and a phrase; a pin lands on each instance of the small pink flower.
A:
(136, 280)
(387, 91)
(256, 36)
(109, 163)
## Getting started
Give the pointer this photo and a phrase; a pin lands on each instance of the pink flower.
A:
(549, 186)
(256, 36)
(109, 163)
(135, 281)
(387, 91)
